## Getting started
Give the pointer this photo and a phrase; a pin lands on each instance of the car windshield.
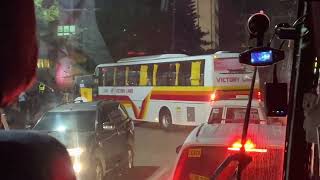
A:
(171, 64)
(67, 121)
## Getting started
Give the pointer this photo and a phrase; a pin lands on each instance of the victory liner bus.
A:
(174, 88)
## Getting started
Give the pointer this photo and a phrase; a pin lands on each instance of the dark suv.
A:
(99, 136)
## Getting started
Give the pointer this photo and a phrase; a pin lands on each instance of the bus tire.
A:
(165, 119)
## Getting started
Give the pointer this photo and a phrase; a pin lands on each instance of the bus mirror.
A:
(276, 99)
(261, 56)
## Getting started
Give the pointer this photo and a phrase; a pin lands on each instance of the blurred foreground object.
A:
(18, 52)
(28, 155)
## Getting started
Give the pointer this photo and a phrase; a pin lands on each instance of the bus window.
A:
(120, 76)
(101, 77)
(108, 76)
(172, 75)
(184, 74)
(177, 73)
(150, 75)
(154, 74)
(202, 73)
(166, 75)
(196, 71)
(162, 74)
(134, 75)
(143, 75)
(127, 76)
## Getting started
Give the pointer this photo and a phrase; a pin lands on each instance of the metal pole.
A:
(247, 116)
(296, 149)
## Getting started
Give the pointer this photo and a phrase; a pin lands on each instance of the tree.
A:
(47, 11)
(142, 25)
(188, 35)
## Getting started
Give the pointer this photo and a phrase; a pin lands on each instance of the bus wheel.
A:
(165, 119)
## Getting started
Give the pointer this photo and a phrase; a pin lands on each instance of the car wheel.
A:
(165, 119)
(98, 173)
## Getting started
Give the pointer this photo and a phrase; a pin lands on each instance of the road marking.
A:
(156, 175)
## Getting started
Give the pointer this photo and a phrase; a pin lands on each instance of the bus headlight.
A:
(75, 151)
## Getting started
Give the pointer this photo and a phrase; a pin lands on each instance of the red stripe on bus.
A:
(126, 99)
(180, 97)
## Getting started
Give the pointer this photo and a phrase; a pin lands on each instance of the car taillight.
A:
(179, 167)
(249, 147)
(259, 96)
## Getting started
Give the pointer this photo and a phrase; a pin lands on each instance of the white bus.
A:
(174, 88)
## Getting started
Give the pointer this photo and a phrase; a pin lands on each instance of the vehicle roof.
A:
(160, 56)
(226, 134)
(85, 106)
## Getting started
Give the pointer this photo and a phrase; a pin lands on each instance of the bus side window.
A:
(143, 75)
(101, 77)
(166, 75)
(120, 76)
(108, 76)
(155, 75)
(177, 74)
(134, 75)
(195, 73)
(162, 74)
(184, 74)
(150, 75)
(202, 73)
(172, 75)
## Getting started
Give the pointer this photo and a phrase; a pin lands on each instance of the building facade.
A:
(208, 20)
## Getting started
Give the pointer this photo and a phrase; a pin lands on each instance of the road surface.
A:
(155, 151)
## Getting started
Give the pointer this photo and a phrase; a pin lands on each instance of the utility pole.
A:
(173, 32)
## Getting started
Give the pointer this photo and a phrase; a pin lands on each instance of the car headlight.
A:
(75, 151)
(77, 166)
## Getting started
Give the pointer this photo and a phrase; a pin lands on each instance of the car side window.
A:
(216, 115)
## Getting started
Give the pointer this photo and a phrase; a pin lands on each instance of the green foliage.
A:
(45, 11)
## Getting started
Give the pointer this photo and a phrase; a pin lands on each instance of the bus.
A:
(175, 89)
(85, 86)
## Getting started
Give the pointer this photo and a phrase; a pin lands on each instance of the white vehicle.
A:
(209, 144)
(233, 111)
(174, 88)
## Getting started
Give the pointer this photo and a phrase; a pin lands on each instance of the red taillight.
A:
(179, 167)
(249, 147)
(259, 96)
